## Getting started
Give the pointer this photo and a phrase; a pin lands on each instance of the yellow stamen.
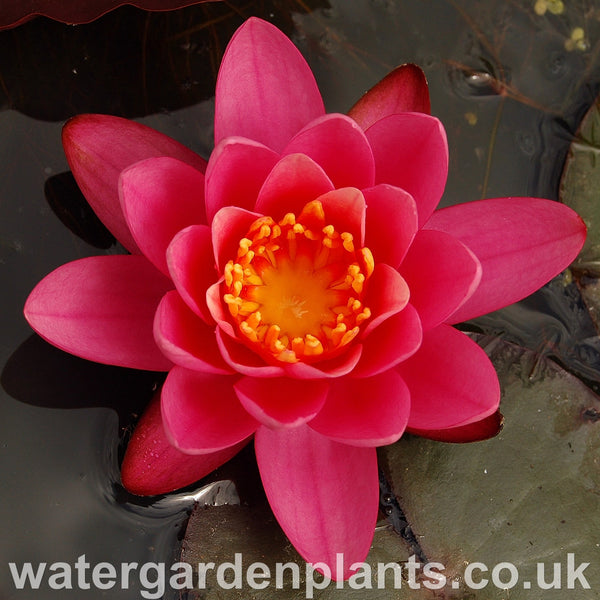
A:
(295, 289)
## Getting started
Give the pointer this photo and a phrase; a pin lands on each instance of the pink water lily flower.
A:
(299, 288)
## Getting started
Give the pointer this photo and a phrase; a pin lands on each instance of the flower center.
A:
(295, 290)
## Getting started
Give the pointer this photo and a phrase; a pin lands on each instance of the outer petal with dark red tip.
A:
(442, 273)
(339, 145)
(390, 343)
(295, 180)
(284, 402)
(411, 152)
(160, 197)
(236, 171)
(201, 412)
(392, 221)
(192, 267)
(99, 147)
(473, 432)
(102, 308)
(451, 380)
(365, 412)
(265, 90)
(402, 90)
(324, 494)
(152, 465)
(521, 244)
(185, 339)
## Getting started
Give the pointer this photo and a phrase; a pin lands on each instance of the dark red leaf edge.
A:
(76, 12)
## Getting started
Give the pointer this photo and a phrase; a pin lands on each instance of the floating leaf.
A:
(528, 496)
(580, 185)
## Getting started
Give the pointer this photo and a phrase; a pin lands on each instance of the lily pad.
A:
(528, 496)
(580, 185)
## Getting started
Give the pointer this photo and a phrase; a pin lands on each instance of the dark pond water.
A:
(509, 84)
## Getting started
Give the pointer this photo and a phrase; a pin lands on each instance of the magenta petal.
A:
(387, 294)
(201, 412)
(191, 264)
(442, 273)
(331, 368)
(463, 434)
(102, 308)
(243, 360)
(324, 494)
(346, 209)
(228, 227)
(451, 380)
(265, 90)
(402, 90)
(365, 412)
(281, 402)
(159, 197)
(153, 466)
(218, 309)
(295, 180)
(340, 146)
(392, 221)
(236, 171)
(521, 244)
(411, 152)
(390, 343)
(185, 339)
(99, 147)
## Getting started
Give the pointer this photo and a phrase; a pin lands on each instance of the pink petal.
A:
(159, 197)
(442, 273)
(334, 367)
(201, 412)
(101, 308)
(153, 466)
(281, 402)
(265, 90)
(295, 180)
(190, 259)
(365, 412)
(473, 432)
(339, 145)
(451, 380)
(218, 310)
(228, 227)
(387, 294)
(324, 494)
(392, 221)
(346, 209)
(390, 343)
(411, 152)
(243, 360)
(402, 90)
(99, 147)
(185, 339)
(236, 171)
(521, 244)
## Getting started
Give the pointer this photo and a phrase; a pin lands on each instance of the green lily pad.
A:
(580, 186)
(531, 495)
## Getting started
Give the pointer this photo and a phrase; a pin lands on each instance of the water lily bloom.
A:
(299, 288)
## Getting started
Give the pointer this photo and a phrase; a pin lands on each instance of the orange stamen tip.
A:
(368, 261)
